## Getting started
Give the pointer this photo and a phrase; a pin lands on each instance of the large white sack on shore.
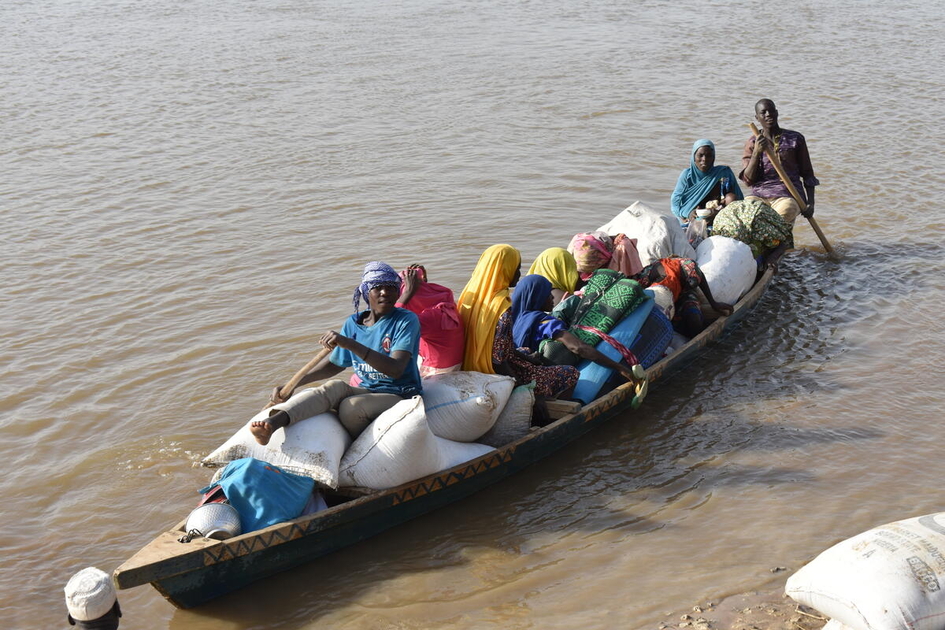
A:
(658, 234)
(312, 447)
(463, 406)
(399, 447)
(728, 267)
(888, 578)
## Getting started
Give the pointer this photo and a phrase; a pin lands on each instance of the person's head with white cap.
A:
(91, 600)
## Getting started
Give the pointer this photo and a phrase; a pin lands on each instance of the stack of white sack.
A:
(427, 434)
(515, 421)
(888, 578)
(658, 234)
(728, 267)
(415, 438)
(463, 406)
(472, 406)
(399, 447)
(312, 447)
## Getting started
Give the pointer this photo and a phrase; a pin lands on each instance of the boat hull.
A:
(193, 573)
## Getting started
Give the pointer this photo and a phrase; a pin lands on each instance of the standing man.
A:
(760, 174)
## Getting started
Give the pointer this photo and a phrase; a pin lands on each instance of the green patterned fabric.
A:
(755, 223)
(608, 297)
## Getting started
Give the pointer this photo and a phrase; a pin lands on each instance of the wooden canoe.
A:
(189, 574)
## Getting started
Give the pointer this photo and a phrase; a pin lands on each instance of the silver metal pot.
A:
(215, 520)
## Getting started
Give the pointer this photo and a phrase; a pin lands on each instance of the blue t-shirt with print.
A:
(400, 330)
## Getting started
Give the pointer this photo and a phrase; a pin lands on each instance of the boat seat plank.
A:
(560, 408)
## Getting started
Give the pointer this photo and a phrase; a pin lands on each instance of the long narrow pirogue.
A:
(194, 573)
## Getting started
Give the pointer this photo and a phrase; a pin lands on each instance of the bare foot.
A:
(262, 430)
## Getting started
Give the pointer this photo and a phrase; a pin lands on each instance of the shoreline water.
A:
(754, 610)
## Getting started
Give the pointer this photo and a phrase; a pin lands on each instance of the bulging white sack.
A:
(312, 447)
(399, 447)
(515, 420)
(728, 267)
(456, 453)
(888, 578)
(462, 406)
(658, 234)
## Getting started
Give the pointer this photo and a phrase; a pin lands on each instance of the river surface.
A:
(189, 190)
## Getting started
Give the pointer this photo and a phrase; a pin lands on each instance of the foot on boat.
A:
(641, 389)
(262, 430)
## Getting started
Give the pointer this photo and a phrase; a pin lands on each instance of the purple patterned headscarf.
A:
(375, 274)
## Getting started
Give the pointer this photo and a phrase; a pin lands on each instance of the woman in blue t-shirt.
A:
(381, 344)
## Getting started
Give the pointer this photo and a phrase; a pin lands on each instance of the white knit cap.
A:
(90, 594)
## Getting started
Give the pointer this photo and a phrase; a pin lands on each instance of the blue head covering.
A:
(693, 185)
(530, 296)
(375, 274)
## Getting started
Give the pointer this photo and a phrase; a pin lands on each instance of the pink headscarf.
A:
(626, 258)
(591, 251)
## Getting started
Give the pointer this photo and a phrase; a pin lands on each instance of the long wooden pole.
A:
(776, 163)
(288, 387)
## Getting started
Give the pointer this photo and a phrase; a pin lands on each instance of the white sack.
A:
(728, 267)
(658, 234)
(515, 420)
(312, 447)
(663, 298)
(399, 447)
(456, 453)
(888, 578)
(676, 344)
(462, 406)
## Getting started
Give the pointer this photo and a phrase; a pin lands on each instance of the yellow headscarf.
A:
(483, 301)
(558, 266)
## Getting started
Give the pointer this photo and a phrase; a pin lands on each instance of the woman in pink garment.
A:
(441, 328)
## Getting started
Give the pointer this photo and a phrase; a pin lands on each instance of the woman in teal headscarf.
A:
(703, 182)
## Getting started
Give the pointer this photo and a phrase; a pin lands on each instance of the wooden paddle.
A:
(288, 387)
(776, 163)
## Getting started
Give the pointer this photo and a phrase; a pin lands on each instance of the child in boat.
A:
(441, 329)
(682, 277)
(485, 307)
(380, 343)
(532, 325)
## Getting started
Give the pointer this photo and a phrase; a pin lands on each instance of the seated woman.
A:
(485, 307)
(441, 329)
(591, 251)
(682, 277)
(558, 266)
(531, 325)
(703, 183)
(381, 344)
(757, 224)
